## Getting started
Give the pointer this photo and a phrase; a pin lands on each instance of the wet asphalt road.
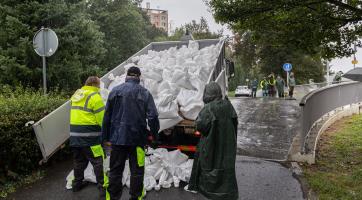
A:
(257, 180)
(267, 126)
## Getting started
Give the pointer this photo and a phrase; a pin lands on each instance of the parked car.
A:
(242, 90)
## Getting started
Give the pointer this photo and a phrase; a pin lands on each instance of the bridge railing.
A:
(324, 100)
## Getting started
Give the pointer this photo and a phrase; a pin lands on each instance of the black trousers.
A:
(253, 93)
(81, 157)
(280, 93)
(119, 155)
(291, 91)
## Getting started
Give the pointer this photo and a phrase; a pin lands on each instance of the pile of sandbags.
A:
(162, 170)
(176, 79)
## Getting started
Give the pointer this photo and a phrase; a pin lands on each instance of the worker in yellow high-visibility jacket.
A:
(86, 117)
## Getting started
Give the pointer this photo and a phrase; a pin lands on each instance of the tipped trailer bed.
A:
(53, 130)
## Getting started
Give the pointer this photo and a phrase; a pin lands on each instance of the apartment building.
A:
(159, 18)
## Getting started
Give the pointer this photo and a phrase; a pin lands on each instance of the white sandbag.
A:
(88, 176)
(176, 181)
(158, 173)
(118, 80)
(170, 61)
(160, 153)
(151, 169)
(151, 85)
(185, 97)
(168, 111)
(175, 158)
(199, 85)
(163, 177)
(191, 111)
(181, 79)
(163, 87)
(155, 74)
(175, 90)
(183, 171)
(180, 60)
(167, 75)
(164, 99)
(168, 123)
(167, 183)
(111, 77)
(135, 59)
(104, 94)
(149, 183)
(191, 103)
(194, 45)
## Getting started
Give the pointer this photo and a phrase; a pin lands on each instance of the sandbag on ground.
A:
(162, 170)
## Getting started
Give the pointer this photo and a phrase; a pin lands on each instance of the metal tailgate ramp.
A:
(52, 131)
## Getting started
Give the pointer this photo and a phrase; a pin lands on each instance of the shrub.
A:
(19, 150)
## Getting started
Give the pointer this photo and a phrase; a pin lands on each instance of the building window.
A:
(164, 24)
(163, 18)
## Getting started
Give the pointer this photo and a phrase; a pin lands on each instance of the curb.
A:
(316, 131)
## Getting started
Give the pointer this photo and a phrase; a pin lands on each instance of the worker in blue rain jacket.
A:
(130, 109)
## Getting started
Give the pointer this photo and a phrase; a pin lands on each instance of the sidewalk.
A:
(257, 180)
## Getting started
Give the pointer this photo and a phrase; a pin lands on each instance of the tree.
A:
(126, 27)
(79, 52)
(327, 26)
(94, 36)
(257, 58)
(200, 30)
(245, 57)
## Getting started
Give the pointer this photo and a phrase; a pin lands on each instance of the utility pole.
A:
(327, 68)
(354, 56)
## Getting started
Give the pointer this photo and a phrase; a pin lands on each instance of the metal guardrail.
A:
(324, 100)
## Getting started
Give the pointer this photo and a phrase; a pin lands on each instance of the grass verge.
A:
(337, 173)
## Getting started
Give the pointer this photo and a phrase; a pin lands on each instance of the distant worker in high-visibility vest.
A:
(264, 86)
(86, 117)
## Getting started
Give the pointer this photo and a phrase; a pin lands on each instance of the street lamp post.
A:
(327, 68)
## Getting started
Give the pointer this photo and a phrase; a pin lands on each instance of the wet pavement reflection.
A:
(267, 126)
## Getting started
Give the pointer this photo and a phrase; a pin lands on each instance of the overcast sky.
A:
(184, 11)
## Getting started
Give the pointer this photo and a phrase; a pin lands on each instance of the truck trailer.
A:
(53, 130)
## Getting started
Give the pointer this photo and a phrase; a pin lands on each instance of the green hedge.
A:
(19, 150)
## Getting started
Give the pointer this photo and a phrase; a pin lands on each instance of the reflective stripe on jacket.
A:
(272, 81)
(86, 116)
(263, 84)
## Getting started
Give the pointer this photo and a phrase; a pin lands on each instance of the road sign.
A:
(45, 42)
(355, 62)
(287, 67)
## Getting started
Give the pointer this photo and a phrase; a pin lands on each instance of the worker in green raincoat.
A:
(213, 171)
